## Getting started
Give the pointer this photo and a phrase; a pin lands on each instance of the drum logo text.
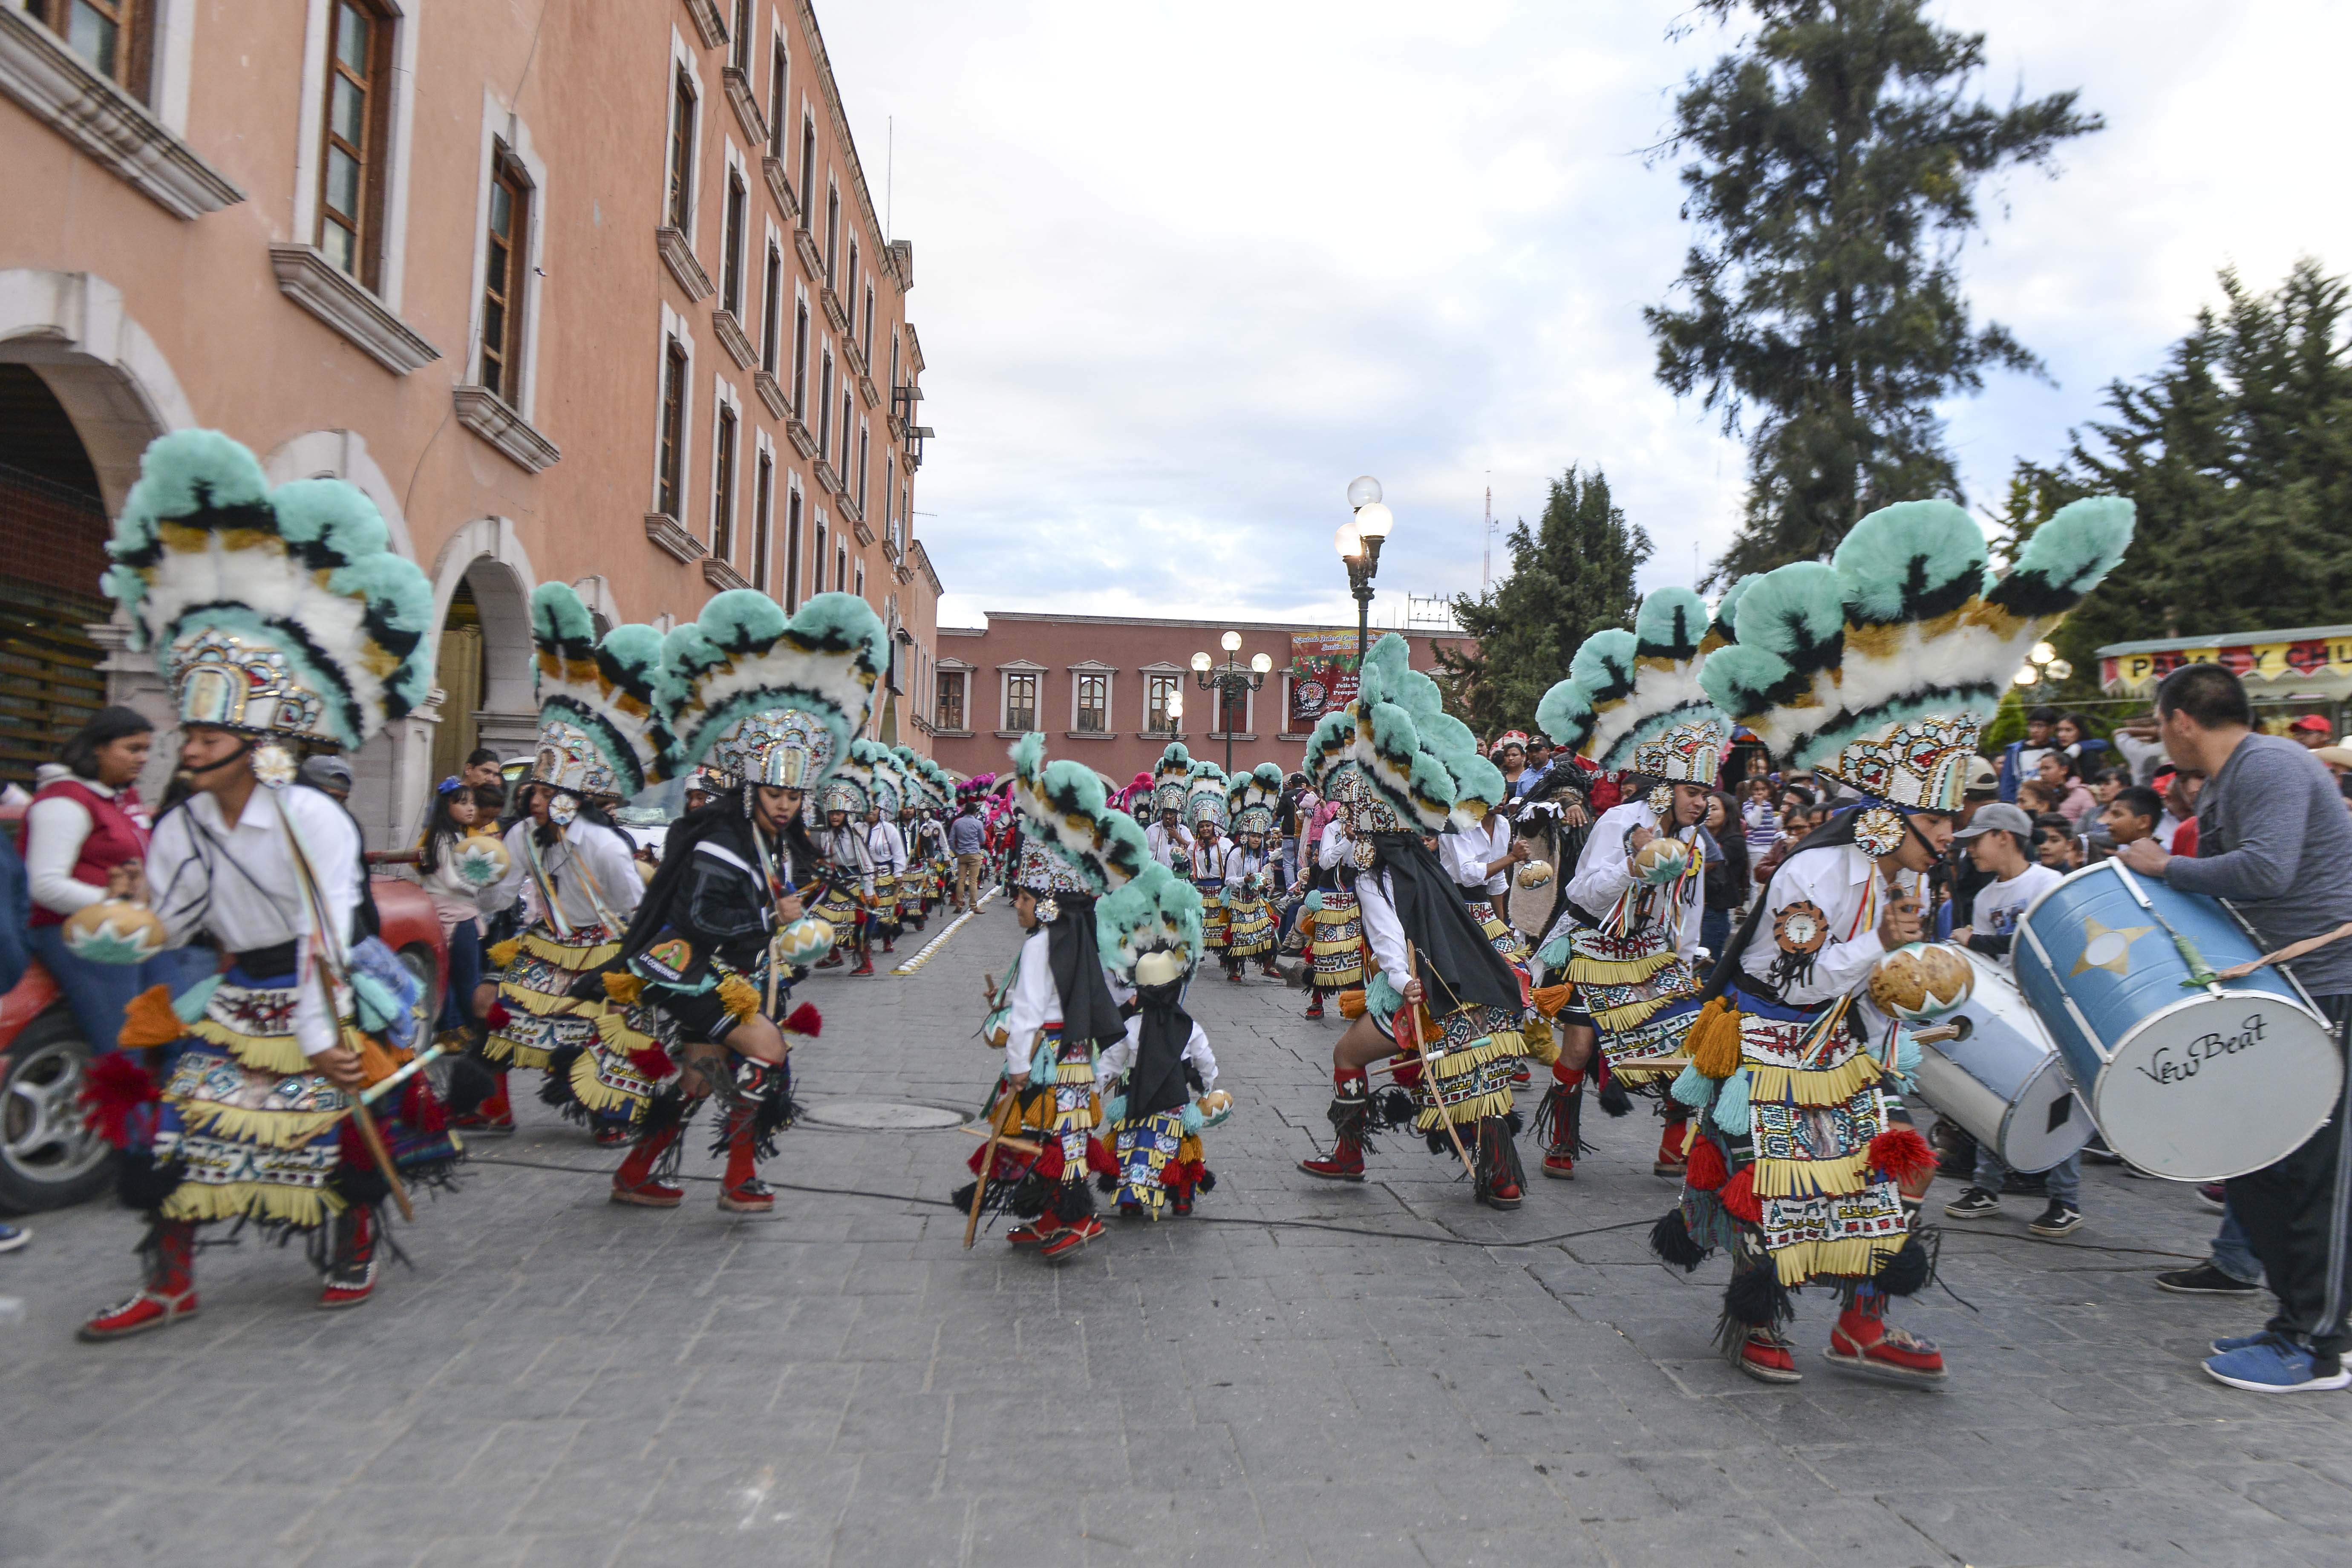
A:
(2162, 1066)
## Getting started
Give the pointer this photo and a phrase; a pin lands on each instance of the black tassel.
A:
(361, 1187)
(1672, 1242)
(141, 1182)
(1560, 1121)
(1106, 1185)
(470, 1082)
(1208, 1182)
(1028, 1196)
(1614, 1100)
(1069, 1202)
(1438, 1144)
(1394, 1108)
(1756, 1298)
(665, 1111)
(1514, 1123)
(555, 1090)
(1908, 1272)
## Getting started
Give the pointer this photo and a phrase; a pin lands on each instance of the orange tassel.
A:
(622, 986)
(148, 1020)
(1351, 1004)
(376, 1063)
(1713, 1044)
(1551, 999)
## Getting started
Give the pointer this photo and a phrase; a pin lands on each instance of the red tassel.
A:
(652, 1063)
(804, 1019)
(1899, 1153)
(1408, 1071)
(1049, 1164)
(1704, 1171)
(113, 1088)
(1738, 1196)
(420, 1109)
(1098, 1159)
(497, 1017)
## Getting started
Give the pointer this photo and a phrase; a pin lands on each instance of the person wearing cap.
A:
(1999, 838)
(2312, 731)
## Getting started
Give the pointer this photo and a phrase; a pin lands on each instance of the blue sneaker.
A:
(13, 1236)
(2273, 1364)
(2239, 1342)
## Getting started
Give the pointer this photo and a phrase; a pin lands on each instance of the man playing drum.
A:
(2273, 839)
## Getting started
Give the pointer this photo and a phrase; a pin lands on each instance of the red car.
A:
(47, 1158)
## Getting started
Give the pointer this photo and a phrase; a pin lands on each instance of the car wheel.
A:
(48, 1158)
(418, 961)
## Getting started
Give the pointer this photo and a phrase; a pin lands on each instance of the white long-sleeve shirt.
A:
(1839, 880)
(1467, 852)
(602, 853)
(56, 827)
(1334, 847)
(886, 847)
(1118, 1061)
(238, 882)
(1034, 1002)
(1605, 871)
(1164, 844)
(852, 862)
(1241, 860)
(1383, 933)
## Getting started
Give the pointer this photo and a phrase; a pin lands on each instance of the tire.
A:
(47, 1160)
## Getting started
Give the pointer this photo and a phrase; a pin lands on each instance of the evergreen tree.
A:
(1572, 575)
(1834, 180)
(2238, 453)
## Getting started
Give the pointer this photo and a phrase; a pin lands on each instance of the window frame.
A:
(373, 155)
(940, 682)
(771, 293)
(1081, 675)
(780, 76)
(764, 512)
(512, 304)
(800, 351)
(1158, 682)
(739, 46)
(134, 26)
(816, 556)
(865, 451)
(675, 392)
(808, 165)
(824, 400)
(683, 136)
(725, 457)
(832, 230)
(734, 236)
(1006, 711)
(794, 509)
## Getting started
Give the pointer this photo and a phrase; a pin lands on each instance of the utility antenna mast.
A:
(1486, 572)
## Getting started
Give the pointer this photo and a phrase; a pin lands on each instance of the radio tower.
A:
(1486, 571)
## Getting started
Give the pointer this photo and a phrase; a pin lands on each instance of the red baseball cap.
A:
(2311, 721)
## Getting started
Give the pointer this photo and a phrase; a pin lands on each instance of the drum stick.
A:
(1937, 1034)
(2284, 955)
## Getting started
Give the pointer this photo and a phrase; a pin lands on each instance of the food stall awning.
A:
(2311, 664)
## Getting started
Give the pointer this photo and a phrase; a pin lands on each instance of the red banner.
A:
(1322, 675)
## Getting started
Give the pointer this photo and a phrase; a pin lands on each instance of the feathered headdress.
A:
(1251, 797)
(273, 612)
(771, 701)
(1632, 701)
(1067, 815)
(1171, 778)
(878, 770)
(1403, 751)
(1157, 912)
(600, 729)
(1205, 796)
(1879, 667)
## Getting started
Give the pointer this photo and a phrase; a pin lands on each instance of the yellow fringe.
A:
(1586, 971)
(1812, 1178)
(502, 954)
(1073, 1072)
(1086, 1116)
(614, 1031)
(1713, 1042)
(1853, 1258)
(1498, 1103)
(502, 1052)
(738, 996)
(596, 1094)
(1830, 1086)
(1551, 999)
(305, 1208)
(573, 958)
(263, 1053)
(1608, 1020)
(540, 1003)
(624, 987)
(1633, 1072)
(266, 1129)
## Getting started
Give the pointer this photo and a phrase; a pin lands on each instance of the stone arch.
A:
(341, 455)
(486, 557)
(603, 608)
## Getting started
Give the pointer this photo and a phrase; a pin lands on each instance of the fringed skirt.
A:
(1158, 1158)
(541, 1018)
(1215, 924)
(613, 1077)
(1249, 926)
(839, 908)
(1640, 996)
(1060, 1111)
(886, 913)
(1506, 941)
(1339, 944)
(1471, 1064)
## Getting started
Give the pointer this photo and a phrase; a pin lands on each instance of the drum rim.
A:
(2327, 1104)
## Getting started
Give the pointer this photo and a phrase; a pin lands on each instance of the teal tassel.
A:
(1731, 1108)
(1906, 1055)
(377, 1006)
(1114, 1109)
(1693, 1088)
(1382, 999)
(189, 1004)
(1554, 955)
(1313, 904)
(1192, 1118)
(1042, 1065)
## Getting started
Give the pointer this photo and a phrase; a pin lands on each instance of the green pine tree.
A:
(1836, 163)
(1572, 575)
(2238, 453)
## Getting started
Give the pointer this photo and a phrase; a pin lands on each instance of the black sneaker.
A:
(2025, 1184)
(2204, 1280)
(1974, 1203)
(2058, 1219)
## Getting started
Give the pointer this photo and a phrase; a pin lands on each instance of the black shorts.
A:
(701, 1016)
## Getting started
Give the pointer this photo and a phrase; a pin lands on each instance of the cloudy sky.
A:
(1183, 270)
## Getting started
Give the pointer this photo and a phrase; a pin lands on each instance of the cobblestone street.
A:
(560, 1381)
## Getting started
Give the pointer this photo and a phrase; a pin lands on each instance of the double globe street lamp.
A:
(1230, 682)
(1358, 543)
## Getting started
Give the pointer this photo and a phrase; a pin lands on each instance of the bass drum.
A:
(2002, 1078)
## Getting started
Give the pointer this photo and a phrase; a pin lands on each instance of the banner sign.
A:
(2323, 659)
(1322, 675)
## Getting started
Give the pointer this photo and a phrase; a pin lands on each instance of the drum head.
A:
(2219, 1086)
(2047, 1123)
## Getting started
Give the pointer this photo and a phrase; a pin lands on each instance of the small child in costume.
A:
(1150, 934)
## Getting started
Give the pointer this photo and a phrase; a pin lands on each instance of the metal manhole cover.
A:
(883, 1116)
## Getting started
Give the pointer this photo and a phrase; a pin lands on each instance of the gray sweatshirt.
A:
(2274, 837)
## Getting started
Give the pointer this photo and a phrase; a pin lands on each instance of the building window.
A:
(681, 155)
(771, 292)
(730, 262)
(848, 411)
(505, 275)
(792, 550)
(1233, 712)
(673, 429)
(1157, 690)
(816, 557)
(762, 523)
(351, 169)
(949, 712)
(113, 37)
(739, 48)
(808, 165)
(840, 565)
(1093, 716)
(862, 452)
(832, 233)
(1020, 701)
(722, 488)
(849, 282)
(860, 589)
(777, 70)
(800, 356)
(869, 330)
(824, 404)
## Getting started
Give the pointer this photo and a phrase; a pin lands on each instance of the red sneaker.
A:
(1674, 1150)
(1769, 1357)
(1521, 1077)
(352, 1279)
(1560, 1167)
(613, 1134)
(148, 1309)
(748, 1197)
(650, 1194)
(866, 967)
(1343, 1164)
(1863, 1342)
(1072, 1236)
(1315, 1006)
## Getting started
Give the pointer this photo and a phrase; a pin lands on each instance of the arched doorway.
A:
(484, 580)
(53, 530)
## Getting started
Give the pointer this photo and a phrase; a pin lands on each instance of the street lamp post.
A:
(1229, 682)
(1358, 543)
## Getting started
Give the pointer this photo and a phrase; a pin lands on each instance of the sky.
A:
(1182, 271)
